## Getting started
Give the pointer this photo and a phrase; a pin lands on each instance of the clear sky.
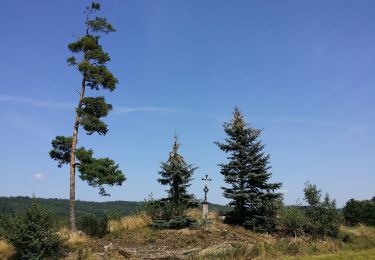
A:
(303, 71)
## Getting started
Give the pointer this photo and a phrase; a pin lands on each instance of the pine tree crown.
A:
(90, 110)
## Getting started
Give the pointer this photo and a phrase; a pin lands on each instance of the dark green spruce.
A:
(177, 174)
(253, 198)
(90, 60)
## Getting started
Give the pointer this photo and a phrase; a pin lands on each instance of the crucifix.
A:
(205, 187)
(205, 203)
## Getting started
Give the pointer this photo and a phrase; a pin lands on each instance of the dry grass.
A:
(355, 241)
(73, 240)
(6, 250)
(130, 223)
(196, 214)
(77, 239)
(360, 230)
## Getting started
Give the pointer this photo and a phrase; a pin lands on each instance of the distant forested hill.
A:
(60, 207)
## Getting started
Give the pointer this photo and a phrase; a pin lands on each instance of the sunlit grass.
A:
(130, 223)
(73, 240)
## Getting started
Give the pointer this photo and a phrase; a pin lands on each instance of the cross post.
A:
(205, 203)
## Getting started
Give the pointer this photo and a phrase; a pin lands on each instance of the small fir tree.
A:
(34, 236)
(253, 198)
(177, 174)
(90, 60)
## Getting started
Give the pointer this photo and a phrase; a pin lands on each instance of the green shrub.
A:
(93, 226)
(322, 216)
(293, 221)
(33, 235)
(174, 223)
(158, 209)
(167, 214)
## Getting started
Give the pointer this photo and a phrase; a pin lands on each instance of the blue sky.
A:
(300, 70)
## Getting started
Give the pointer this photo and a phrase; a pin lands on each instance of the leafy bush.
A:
(322, 216)
(33, 235)
(318, 219)
(94, 226)
(293, 221)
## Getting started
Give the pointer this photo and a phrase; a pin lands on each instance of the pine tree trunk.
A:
(72, 217)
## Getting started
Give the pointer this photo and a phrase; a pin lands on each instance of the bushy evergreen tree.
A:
(177, 174)
(253, 198)
(33, 235)
(90, 60)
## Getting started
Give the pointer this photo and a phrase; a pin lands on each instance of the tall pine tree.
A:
(90, 60)
(177, 174)
(247, 173)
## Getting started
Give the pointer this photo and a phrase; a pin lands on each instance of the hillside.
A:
(131, 238)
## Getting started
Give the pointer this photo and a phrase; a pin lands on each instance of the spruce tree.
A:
(177, 174)
(90, 60)
(252, 197)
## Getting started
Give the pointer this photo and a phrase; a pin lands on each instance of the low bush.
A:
(174, 223)
(165, 214)
(158, 209)
(94, 226)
